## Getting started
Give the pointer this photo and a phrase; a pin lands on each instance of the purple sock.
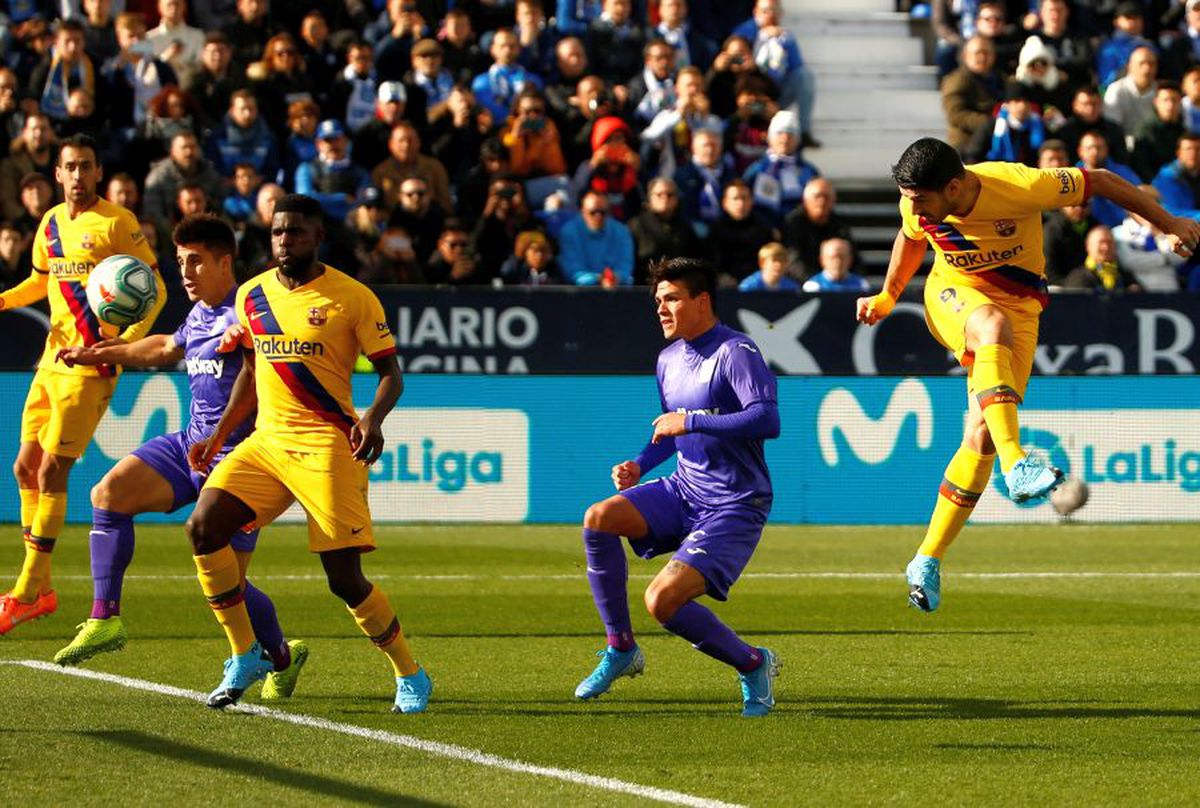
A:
(606, 572)
(111, 543)
(708, 634)
(266, 625)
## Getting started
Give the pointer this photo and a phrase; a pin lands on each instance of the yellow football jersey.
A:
(997, 247)
(306, 341)
(65, 251)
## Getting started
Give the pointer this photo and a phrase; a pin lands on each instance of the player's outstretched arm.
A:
(906, 259)
(30, 290)
(150, 352)
(1183, 233)
(243, 401)
(366, 437)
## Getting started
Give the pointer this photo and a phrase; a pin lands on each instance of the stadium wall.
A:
(853, 450)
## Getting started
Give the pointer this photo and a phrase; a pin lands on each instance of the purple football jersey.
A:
(718, 373)
(210, 374)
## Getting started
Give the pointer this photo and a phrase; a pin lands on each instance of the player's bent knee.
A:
(205, 535)
(26, 475)
(351, 589)
(662, 602)
(598, 516)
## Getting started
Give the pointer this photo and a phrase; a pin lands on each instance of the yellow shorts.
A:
(63, 410)
(332, 489)
(949, 305)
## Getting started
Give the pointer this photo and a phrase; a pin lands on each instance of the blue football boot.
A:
(412, 692)
(758, 686)
(241, 671)
(613, 665)
(1031, 478)
(924, 575)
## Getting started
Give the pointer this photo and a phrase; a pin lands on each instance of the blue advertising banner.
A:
(853, 450)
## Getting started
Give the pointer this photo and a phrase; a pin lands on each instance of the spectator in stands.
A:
(701, 179)
(1016, 134)
(737, 236)
(666, 141)
(1178, 182)
(14, 262)
(1130, 100)
(746, 131)
(534, 147)
(37, 197)
(653, 90)
(458, 135)
(366, 222)
(284, 80)
(320, 58)
(1155, 140)
(536, 37)
(777, 54)
(778, 178)
(190, 200)
(254, 246)
(574, 16)
(301, 144)
(473, 189)
(184, 163)
(32, 152)
(953, 24)
(1093, 154)
(391, 108)
(213, 83)
(405, 160)
(1053, 154)
(430, 76)
(243, 137)
(249, 32)
(615, 41)
(12, 117)
(239, 203)
(771, 275)
(67, 65)
(813, 222)
(168, 113)
(333, 179)
(498, 87)
(970, 92)
(1064, 233)
(82, 118)
(351, 97)
(122, 190)
(532, 262)
(1115, 52)
(837, 259)
(1073, 53)
(99, 35)
(1047, 86)
(1191, 99)
(134, 75)
(991, 23)
(1087, 115)
(570, 67)
(1182, 50)
(505, 215)
(612, 169)
(735, 60)
(392, 261)
(1100, 270)
(453, 262)
(661, 230)
(593, 101)
(460, 52)
(173, 40)
(596, 248)
(419, 216)
(692, 48)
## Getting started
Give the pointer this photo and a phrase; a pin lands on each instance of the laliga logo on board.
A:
(872, 440)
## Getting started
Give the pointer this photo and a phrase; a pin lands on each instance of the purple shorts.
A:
(717, 542)
(167, 455)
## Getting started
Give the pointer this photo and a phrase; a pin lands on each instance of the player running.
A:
(65, 404)
(155, 477)
(304, 324)
(719, 405)
(983, 299)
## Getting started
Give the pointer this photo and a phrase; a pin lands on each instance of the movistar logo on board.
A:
(842, 419)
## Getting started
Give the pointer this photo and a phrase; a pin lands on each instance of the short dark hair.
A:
(80, 141)
(72, 25)
(210, 232)
(1187, 135)
(1167, 84)
(695, 275)
(306, 206)
(928, 164)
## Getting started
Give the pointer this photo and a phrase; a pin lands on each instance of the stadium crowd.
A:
(449, 142)
(1053, 83)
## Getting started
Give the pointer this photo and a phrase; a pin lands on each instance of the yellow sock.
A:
(44, 528)
(966, 478)
(221, 580)
(378, 621)
(998, 400)
(29, 505)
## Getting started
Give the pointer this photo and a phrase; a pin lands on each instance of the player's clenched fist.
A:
(873, 309)
(201, 454)
(234, 336)
(626, 475)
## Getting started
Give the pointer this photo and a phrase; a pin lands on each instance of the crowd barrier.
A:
(852, 450)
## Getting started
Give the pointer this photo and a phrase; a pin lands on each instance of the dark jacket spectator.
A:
(1064, 233)
(1155, 139)
(284, 82)
(615, 42)
(735, 238)
(661, 230)
(970, 93)
(420, 217)
(701, 179)
(812, 222)
(184, 163)
(213, 83)
(1178, 183)
(243, 137)
(505, 215)
(1101, 271)
(1087, 115)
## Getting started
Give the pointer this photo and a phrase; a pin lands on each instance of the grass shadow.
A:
(940, 709)
(327, 787)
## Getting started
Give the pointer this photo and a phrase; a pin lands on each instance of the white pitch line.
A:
(436, 748)
(793, 575)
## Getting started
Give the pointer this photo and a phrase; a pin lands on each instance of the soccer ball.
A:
(1069, 497)
(121, 290)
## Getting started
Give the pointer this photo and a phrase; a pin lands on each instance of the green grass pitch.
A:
(1068, 688)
